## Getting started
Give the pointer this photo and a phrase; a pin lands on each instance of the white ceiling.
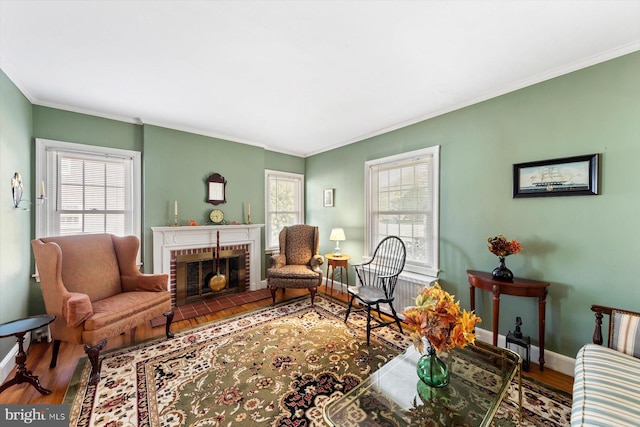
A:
(298, 77)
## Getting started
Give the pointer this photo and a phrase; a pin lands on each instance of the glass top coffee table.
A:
(394, 395)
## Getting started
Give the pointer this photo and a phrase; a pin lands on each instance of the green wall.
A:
(15, 224)
(176, 167)
(61, 125)
(586, 246)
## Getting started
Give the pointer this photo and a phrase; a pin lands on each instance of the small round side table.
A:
(333, 262)
(19, 328)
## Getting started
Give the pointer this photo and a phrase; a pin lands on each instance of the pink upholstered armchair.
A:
(91, 283)
(298, 263)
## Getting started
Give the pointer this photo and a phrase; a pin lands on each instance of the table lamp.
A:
(337, 235)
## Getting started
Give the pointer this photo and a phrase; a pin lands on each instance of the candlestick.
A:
(249, 209)
(175, 214)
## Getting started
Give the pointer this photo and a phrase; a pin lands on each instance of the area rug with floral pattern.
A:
(276, 366)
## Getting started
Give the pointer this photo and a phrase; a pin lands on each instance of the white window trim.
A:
(43, 145)
(297, 176)
(430, 272)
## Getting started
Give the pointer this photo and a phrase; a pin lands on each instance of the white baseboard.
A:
(9, 362)
(556, 361)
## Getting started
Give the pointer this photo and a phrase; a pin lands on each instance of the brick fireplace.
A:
(198, 243)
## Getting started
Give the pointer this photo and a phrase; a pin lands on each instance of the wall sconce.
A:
(337, 235)
(17, 189)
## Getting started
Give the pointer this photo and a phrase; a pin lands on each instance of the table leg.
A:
(333, 277)
(496, 313)
(472, 297)
(542, 303)
(22, 374)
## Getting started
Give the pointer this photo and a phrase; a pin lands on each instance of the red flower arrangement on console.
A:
(500, 246)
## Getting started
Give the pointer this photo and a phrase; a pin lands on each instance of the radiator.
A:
(405, 296)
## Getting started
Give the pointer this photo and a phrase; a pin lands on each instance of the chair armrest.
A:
(145, 283)
(76, 308)
(600, 311)
(317, 261)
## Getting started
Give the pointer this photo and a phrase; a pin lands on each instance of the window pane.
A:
(115, 175)
(94, 223)
(70, 224)
(94, 198)
(115, 224)
(94, 173)
(287, 199)
(71, 197)
(71, 171)
(115, 199)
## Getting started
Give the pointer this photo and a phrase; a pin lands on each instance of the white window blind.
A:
(402, 200)
(89, 189)
(284, 203)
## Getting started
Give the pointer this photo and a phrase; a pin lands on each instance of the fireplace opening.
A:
(195, 271)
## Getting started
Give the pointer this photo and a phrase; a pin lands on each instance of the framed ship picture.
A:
(569, 176)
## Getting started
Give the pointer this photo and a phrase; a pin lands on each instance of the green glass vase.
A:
(432, 370)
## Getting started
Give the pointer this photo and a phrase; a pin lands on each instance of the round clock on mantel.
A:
(216, 216)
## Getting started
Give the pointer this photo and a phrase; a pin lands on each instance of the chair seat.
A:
(127, 304)
(369, 294)
(293, 272)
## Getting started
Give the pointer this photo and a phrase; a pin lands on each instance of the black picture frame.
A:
(568, 176)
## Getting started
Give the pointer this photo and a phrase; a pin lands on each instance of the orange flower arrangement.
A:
(438, 318)
(500, 246)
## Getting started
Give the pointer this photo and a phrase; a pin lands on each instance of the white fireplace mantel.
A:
(167, 239)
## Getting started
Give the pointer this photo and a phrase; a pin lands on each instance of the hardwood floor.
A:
(57, 380)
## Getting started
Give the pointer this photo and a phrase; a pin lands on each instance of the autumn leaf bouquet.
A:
(500, 246)
(438, 318)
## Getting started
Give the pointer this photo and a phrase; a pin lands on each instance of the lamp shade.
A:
(337, 235)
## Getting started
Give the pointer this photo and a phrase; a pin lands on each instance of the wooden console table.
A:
(518, 287)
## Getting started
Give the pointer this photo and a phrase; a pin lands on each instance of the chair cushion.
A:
(300, 244)
(293, 272)
(626, 333)
(605, 388)
(125, 304)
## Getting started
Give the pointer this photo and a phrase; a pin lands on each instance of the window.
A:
(89, 189)
(402, 200)
(284, 203)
